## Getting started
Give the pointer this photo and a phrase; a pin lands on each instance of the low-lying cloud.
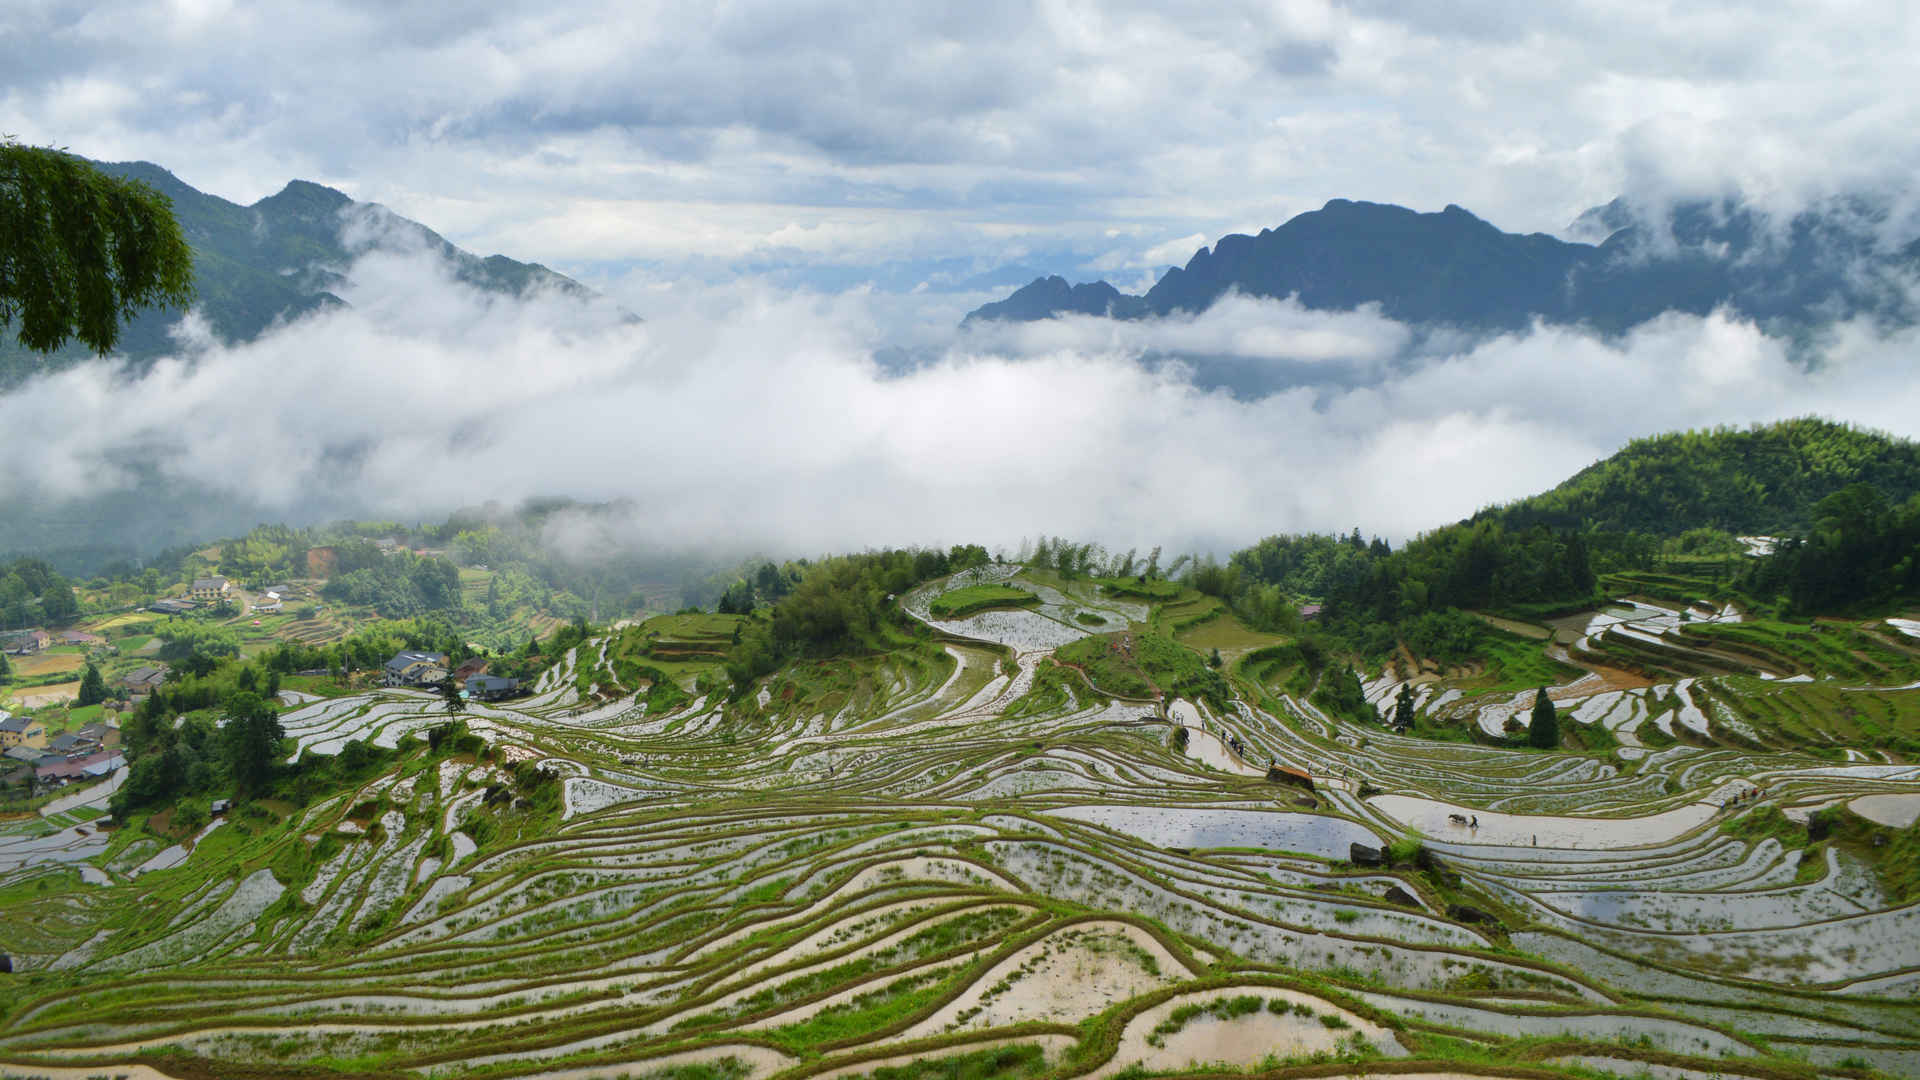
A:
(760, 420)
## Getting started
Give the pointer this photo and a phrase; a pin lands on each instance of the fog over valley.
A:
(753, 418)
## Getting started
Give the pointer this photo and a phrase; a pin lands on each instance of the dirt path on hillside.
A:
(1608, 678)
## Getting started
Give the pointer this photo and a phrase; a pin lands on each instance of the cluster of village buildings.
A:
(87, 754)
(29, 642)
(417, 669)
(94, 750)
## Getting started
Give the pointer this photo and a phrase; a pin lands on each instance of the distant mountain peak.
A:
(1055, 296)
(1454, 268)
(306, 193)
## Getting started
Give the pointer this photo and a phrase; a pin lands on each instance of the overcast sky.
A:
(785, 189)
(594, 135)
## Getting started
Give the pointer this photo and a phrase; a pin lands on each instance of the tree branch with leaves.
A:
(81, 252)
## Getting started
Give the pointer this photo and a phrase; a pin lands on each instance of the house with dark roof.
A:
(142, 680)
(22, 731)
(172, 607)
(491, 687)
(408, 668)
(68, 745)
(106, 736)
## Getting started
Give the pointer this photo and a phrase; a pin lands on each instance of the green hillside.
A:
(1761, 480)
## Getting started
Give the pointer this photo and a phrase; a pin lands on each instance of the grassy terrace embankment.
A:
(973, 599)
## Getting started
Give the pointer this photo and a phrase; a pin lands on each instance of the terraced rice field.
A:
(970, 866)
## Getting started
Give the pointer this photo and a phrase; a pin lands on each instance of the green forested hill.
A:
(275, 260)
(1762, 480)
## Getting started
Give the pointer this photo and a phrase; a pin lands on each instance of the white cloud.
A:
(1174, 252)
(748, 418)
(1235, 325)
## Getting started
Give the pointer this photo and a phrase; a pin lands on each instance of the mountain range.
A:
(1452, 268)
(274, 261)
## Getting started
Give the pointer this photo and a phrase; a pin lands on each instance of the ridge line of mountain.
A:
(1453, 268)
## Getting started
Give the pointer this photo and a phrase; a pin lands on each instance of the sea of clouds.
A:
(755, 419)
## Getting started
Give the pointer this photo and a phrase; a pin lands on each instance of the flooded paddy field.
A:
(973, 862)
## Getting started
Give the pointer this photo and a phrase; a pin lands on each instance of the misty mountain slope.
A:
(1452, 268)
(1762, 480)
(276, 260)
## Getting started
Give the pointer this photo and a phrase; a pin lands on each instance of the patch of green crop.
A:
(959, 603)
(1222, 1008)
(1513, 663)
(1766, 822)
(1136, 665)
(1013, 1062)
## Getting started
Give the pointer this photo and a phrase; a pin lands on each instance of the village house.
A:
(172, 607)
(105, 736)
(473, 666)
(211, 590)
(408, 668)
(143, 680)
(89, 767)
(67, 745)
(24, 642)
(491, 687)
(28, 755)
(22, 731)
(80, 637)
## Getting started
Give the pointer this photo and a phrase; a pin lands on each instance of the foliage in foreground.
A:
(81, 251)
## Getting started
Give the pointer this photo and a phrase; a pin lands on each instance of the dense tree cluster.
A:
(195, 647)
(843, 605)
(1341, 694)
(32, 593)
(1762, 480)
(400, 585)
(267, 554)
(1861, 552)
(197, 754)
(1371, 596)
